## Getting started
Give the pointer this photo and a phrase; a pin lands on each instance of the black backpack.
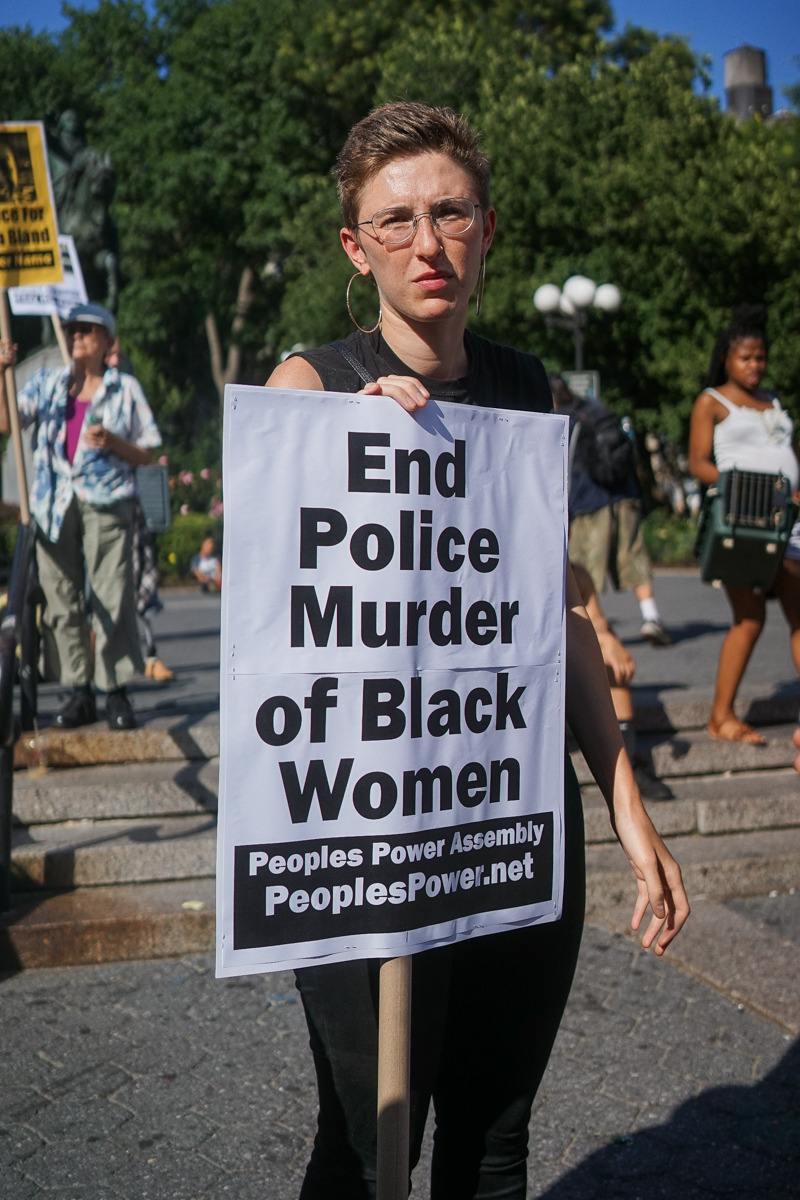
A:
(604, 448)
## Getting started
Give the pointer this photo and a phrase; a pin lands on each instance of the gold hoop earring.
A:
(481, 286)
(377, 324)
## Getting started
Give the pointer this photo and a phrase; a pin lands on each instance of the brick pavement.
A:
(155, 1081)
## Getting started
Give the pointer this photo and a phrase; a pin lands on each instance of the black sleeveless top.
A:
(498, 376)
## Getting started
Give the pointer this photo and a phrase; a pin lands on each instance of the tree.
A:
(224, 118)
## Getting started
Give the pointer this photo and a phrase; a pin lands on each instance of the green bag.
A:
(744, 527)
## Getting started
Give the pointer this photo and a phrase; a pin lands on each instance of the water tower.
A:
(746, 90)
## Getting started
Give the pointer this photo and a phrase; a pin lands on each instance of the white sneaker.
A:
(655, 633)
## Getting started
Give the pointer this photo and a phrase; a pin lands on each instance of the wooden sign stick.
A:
(13, 415)
(394, 1054)
(58, 330)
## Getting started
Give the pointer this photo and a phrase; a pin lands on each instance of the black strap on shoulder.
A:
(359, 368)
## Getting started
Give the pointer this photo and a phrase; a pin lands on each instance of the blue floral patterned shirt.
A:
(98, 477)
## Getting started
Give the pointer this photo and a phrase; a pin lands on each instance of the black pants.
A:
(485, 1013)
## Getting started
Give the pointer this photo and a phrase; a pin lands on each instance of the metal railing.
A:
(18, 628)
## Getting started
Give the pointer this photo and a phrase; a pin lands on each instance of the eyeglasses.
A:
(452, 217)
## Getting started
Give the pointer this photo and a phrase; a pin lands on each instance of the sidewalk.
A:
(670, 1080)
(154, 1081)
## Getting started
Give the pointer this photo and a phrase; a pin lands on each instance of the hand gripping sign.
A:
(392, 677)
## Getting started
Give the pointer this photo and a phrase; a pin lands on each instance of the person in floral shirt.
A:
(92, 427)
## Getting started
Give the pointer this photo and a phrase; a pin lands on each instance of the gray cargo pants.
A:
(94, 542)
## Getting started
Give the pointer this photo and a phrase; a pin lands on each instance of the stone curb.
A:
(159, 740)
(192, 737)
(110, 924)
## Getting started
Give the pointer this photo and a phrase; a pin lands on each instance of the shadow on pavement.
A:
(741, 1143)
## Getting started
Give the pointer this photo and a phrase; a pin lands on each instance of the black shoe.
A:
(651, 787)
(80, 709)
(119, 713)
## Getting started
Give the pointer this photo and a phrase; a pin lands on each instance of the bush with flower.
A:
(195, 491)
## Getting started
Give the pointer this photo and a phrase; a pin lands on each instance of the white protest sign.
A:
(392, 679)
(49, 298)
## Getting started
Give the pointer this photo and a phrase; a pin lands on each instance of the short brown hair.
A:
(401, 129)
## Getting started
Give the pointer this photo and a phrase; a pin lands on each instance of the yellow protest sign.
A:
(28, 226)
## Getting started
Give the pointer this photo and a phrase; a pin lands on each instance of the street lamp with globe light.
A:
(566, 308)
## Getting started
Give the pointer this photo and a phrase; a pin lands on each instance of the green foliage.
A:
(224, 118)
(177, 546)
(33, 80)
(670, 538)
(8, 540)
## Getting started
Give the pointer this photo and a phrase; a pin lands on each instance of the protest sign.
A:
(28, 226)
(392, 680)
(53, 298)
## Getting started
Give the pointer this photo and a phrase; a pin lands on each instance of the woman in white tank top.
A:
(737, 424)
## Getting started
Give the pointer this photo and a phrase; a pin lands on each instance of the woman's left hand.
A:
(658, 877)
(405, 389)
(97, 437)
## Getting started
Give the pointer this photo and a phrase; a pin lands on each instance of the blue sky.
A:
(712, 27)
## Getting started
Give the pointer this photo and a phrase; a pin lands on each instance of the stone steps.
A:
(129, 921)
(97, 853)
(691, 752)
(117, 792)
(115, 833)
(165, 739)
(96, 826)
(711, 804)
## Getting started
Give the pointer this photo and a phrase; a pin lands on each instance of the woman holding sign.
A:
(414, 188)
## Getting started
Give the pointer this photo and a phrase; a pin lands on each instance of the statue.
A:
(83, 187)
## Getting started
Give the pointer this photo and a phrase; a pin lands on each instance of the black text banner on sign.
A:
(392, 685)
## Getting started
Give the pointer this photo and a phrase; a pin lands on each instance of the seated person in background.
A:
(620, 666)
(206, 567)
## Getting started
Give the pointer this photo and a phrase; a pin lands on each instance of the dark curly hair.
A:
(748, 321)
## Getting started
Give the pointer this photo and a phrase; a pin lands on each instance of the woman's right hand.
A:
(619, 661)
(8, 353)
(405, 389)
